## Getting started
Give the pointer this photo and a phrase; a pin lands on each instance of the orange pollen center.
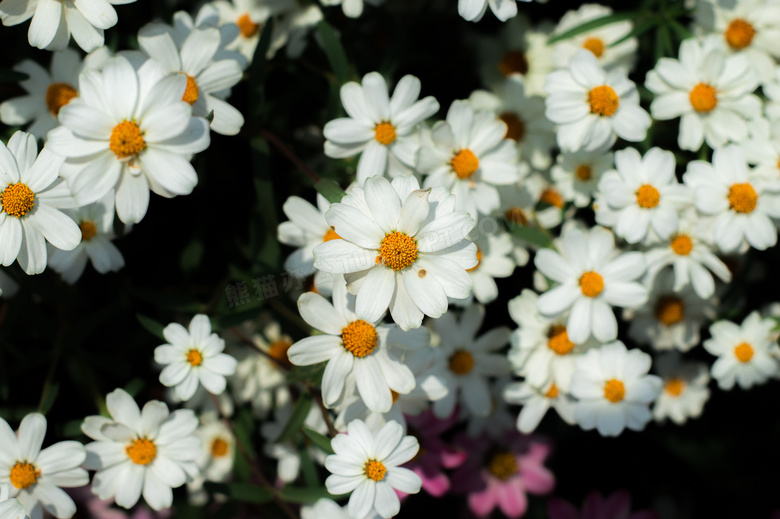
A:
(516, 215)
(503, 465)
(397, 251)
(552, 197)
(513, 62)
(614, 390)
(465, 163)
(603, 101)
(247, 27)
(743, 198)
(219, 448)
(583, 172)
(743, 352)
(17, 200)
(703, 98)
(552, 392)
(278, 350)
(558, 340)
(682, 245)
(58, 95)
(739, 34)
(375, 470)
(359, 338)
(330, 235)
(384, 133)
(126, 140)
(194, 357)
(24, 475)
(479, 259)
(591, 284)
(595, 45)
(191, 92)
(142, 451)
(674, 386)
(669, 310)
(394, 395)
(88, 230)
(461, 362)
(647, 196)
(515, 127)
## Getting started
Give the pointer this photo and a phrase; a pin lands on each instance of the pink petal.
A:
(537, 480)
(437, 485)
(482, 503)
(511, 497)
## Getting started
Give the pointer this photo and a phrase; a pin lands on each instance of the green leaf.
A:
(191, 256)
(243, 492)
(320, 440)
(12, 76)
(531, 235)
(334, 51)
(305, 495)
(48, 397)
(680, 30)
(151, 326)
(330, 190)
(637, 31)
(663, 43)
(298, 416)
(236, 317)
(312, 373)
(595, 24)
(135, 386)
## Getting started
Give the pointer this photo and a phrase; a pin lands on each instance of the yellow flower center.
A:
(703, 98)
(465, 163)
(375, 470)
(517, 216)
(17, 200)
(739, 34)
(647, 196)
(191, 92)
(552, 392)
(194, 357)
(461, 362)
(583, 172)
(126, 140)
(595, 45)
(603, 101)
(142, 451)
(88, 230)
(743, 352)
(558, 340)
(552, 197)
(24, 475)
(591, 284)
(384, 133)
(397, 251)
(513, 62)
(278, 351)
(247, 27)
(515, 127)
(682, 245)
(743, 198)
(58, 95)
(479, 259)
(330, 235)
(359, 338)
(219, 448)
(669, 310)
(674, 386)
(503, 465)
(614, 390)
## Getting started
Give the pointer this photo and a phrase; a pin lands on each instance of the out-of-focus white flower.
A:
(685, 389)
(576, 174)
(216, 456)
(287, 454)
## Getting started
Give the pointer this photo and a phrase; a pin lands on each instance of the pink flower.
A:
(616, 506)
(501, 475)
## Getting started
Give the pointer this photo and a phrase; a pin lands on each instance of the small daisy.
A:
(493, 261)
(742, 201)
(251, 16)
(643, 195)
(147, 451)
(746, 353)
(710, 92)
(576, 174)
(215, 462)
(469, 155)
(367, 465)
(685, 389)
(36, 475)
(10, 508)
(613, 389)
(593, 107)
(474, 10)
(381, 128)
(194, 356)
(31, 196)
(593, 277)
(402, 248)
(536, 402)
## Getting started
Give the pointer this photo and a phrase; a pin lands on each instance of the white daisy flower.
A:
(251, 16)
(135, 452)
(96, 222)
(742, 201)
(474, 10)
(593, 107)
(194, 356)
(209, 78)
(129, 131)
(576, 174)
(10, 507)
(402, 248)
(613, 389)
(352, 8)
(685, 389)
(746, 353)
(469, 155)
(494, 260)
(525, 121)
(771, 89)
(215, 462)
(710, 91)
(298, 22)
(367, 465)
(599, 41)
(762, 148)
(593, 277)
(36, 475)
(209, 16)
(536, 402)
(54, 21)
(643, 195)
(381, 128)
(31, 196)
